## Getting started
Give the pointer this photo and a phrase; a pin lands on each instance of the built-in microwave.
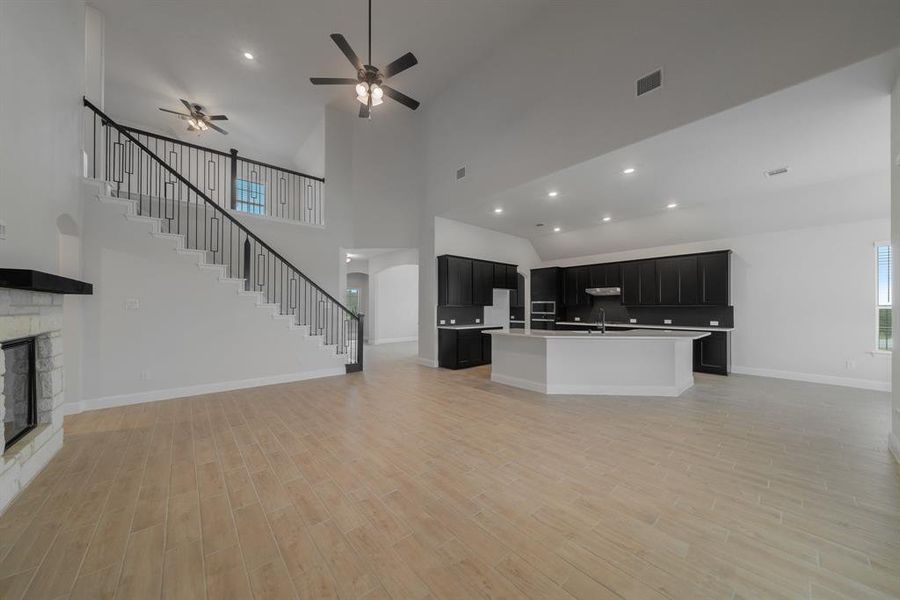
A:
(543, 307)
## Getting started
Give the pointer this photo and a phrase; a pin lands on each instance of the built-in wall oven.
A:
(543, 314)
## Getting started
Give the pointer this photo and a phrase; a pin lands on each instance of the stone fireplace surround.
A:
(23, 314)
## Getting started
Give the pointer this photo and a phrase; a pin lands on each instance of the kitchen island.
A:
(624, 363)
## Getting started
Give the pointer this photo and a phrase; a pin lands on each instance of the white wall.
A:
(804, 301)
(453, 237)
(190, 334)
(895, 245)
(396, 305)
(393, 298)
(42, 68)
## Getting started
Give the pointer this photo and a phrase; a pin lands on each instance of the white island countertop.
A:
(480, 326)
(643, 326)
(638, 362)
(645, 334)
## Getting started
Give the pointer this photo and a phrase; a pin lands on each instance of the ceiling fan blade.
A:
(341, 42)
(216, 118)
(217, 128)
(188, 105)
(401, 64)
(400, 97)
(333, 81)
(175, 112)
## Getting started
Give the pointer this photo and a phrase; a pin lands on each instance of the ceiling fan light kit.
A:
(369, 82)
(197, 119)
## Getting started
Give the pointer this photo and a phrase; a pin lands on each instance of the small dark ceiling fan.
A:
(369, 82)
(197, 119)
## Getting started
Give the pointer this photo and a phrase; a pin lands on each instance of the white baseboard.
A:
(427, 362)
(73, 408)
(865, 384)
(894, 445)
(414, 338)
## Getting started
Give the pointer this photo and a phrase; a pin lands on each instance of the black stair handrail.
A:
(124, 131)
(219, 152)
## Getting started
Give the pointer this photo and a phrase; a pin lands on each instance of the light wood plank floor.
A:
(408, 482)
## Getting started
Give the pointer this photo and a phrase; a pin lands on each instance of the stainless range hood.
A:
(604, 291)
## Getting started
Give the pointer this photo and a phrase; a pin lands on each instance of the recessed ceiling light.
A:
(553, 194)
(498, 210)
(248, 56)
(557, 229)
(628, 171)
(672, 205)
(607, 219)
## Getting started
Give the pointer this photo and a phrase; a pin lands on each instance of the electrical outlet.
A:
(577, 318)
(132, 304)
(713, 323)
(851, 364)
(453, 321)
(478, 320)
(667, 321)
(2, 230)
(145, 375)
(632, 320)
(443, 321)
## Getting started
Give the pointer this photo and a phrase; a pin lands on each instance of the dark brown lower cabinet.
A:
(712, 354)
(463, 348)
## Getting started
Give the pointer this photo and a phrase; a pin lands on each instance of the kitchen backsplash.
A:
(463, 315)
(651, 315)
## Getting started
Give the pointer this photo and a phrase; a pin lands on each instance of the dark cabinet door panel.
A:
(689, 288)
(631, 284)
(668, 281)
(649, 290)
(613, 275)
(482, 283)
(511, 277)
(714, 278)
(712, 354)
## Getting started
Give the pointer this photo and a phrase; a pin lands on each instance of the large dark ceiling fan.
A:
(197, 119)
(369, 82)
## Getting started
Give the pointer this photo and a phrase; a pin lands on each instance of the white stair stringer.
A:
(281, 337)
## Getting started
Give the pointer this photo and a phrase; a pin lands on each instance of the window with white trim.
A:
(250, 197)
(884, 264)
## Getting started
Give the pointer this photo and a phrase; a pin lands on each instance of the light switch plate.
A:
(453, 321)
(667, 321)
(577, 318)
(713, 323)
(2, 230)
(478, 320)
(632, 320)
(132, 304)
(443, 321)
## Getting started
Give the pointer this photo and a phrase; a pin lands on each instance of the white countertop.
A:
(640, 326)
(479, 326)
(633, 334)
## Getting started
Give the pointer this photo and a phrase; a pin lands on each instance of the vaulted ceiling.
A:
(158, 52)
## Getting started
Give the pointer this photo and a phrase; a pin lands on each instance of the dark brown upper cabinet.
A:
(470, 281)
(714, 272)
(677, 281)
(648, 294)
(575, 281)
(482, 283)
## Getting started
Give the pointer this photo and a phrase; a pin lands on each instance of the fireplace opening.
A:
(19, 394)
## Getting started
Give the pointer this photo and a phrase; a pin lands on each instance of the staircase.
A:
(159, 182)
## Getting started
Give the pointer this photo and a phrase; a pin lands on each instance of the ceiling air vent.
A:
(650, 82)
(460, 173)
(778, 171)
